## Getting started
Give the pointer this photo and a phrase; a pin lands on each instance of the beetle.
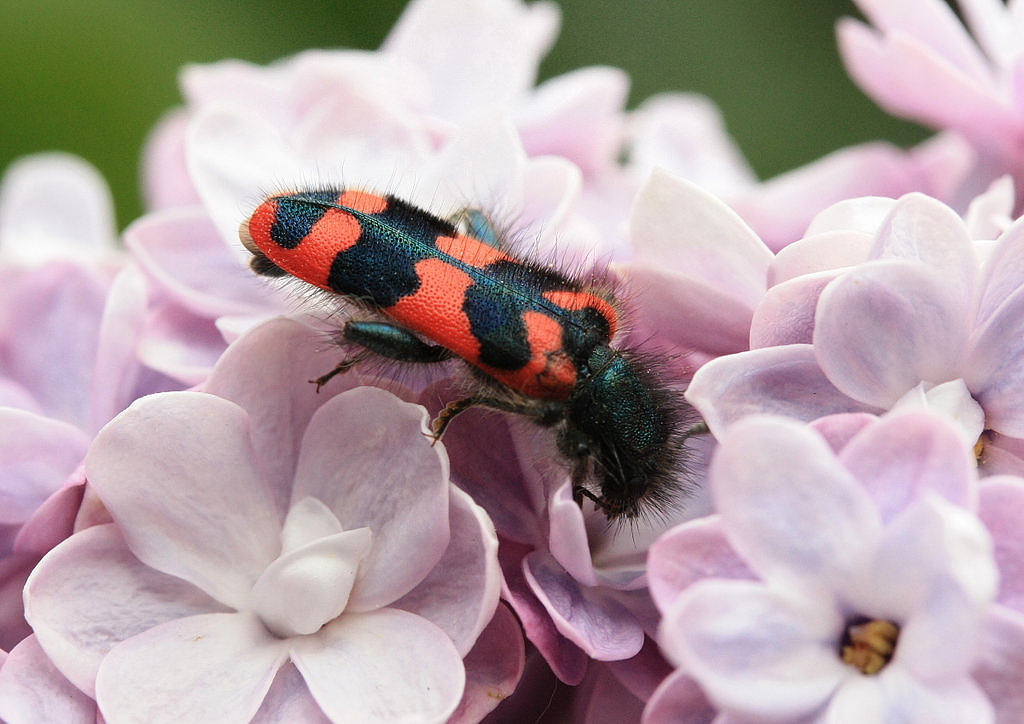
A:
(538, 342)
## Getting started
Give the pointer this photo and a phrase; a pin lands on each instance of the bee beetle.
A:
(537, 342)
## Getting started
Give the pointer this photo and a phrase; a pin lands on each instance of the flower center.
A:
(868, 644)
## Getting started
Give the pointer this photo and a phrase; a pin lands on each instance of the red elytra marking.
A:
(437, 307)
(311, 260)
(550, 374)
(469, 250)
(581, 300)
(363, 201)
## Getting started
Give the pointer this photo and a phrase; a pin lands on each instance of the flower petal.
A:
(919, 228)
(778, 380)
(90, 592)
(688, 553)
(754, 651)
(679, 700)
(1001, 509)
(904, 455)
(388, 477)
(310, 585)
(786, 314)
(37, 454)
(33, 690)
(774, 482)
(494, 667)
(35, 230)
(599, 624)
(487, 66)
(213, 667)
(189, 499)
(289, 701)
(183, 253)
(883, 327)
(994, 369)
(460, 594)
(383, 666)
(1000, 667)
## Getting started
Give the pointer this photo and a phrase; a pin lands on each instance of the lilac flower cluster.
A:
(190, 531)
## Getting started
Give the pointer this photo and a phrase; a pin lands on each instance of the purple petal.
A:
(935, 26)
(32, 690)
(994, 370)
(685, 134)
(383, 666)
(460, 594)
(786, 314)
(688, 553)
(37, 454)
(912, 81)
(213, 667)
(774, 481)
(755, 651)
(884, 327)
(598, 624)
(1003, 272)
(56, 368)
(824, 251)
(186, 257)
(494, 667)
(1000, 668)
(989, 213)
(720, 251)
(566, 659)
(488, 461)
(281, 355)
(119, 377)
(389, 477)
(178, 474)
(1001, 509)
(904, 456)
(179, 344)
(838, 430)
(90, 592)
(779, 380)
(289, 700)
(14, 571)
(679, 700)
(919, 228)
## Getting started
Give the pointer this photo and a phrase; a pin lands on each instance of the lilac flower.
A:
(834, 582)
(276, 551)
(69, 313)
(577, 583)
(920, 322)
(918, 61)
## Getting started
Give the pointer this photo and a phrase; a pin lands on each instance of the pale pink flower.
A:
(761, 603)
(917, 314)
(69, 317)
(276, 551)
(917, 60)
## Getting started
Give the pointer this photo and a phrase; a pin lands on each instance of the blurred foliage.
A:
(93, 77)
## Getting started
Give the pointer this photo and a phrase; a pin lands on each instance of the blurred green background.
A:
(93, 76)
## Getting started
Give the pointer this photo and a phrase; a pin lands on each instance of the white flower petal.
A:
(384, 666)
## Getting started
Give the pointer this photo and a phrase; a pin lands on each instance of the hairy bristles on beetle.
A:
(538, 341)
